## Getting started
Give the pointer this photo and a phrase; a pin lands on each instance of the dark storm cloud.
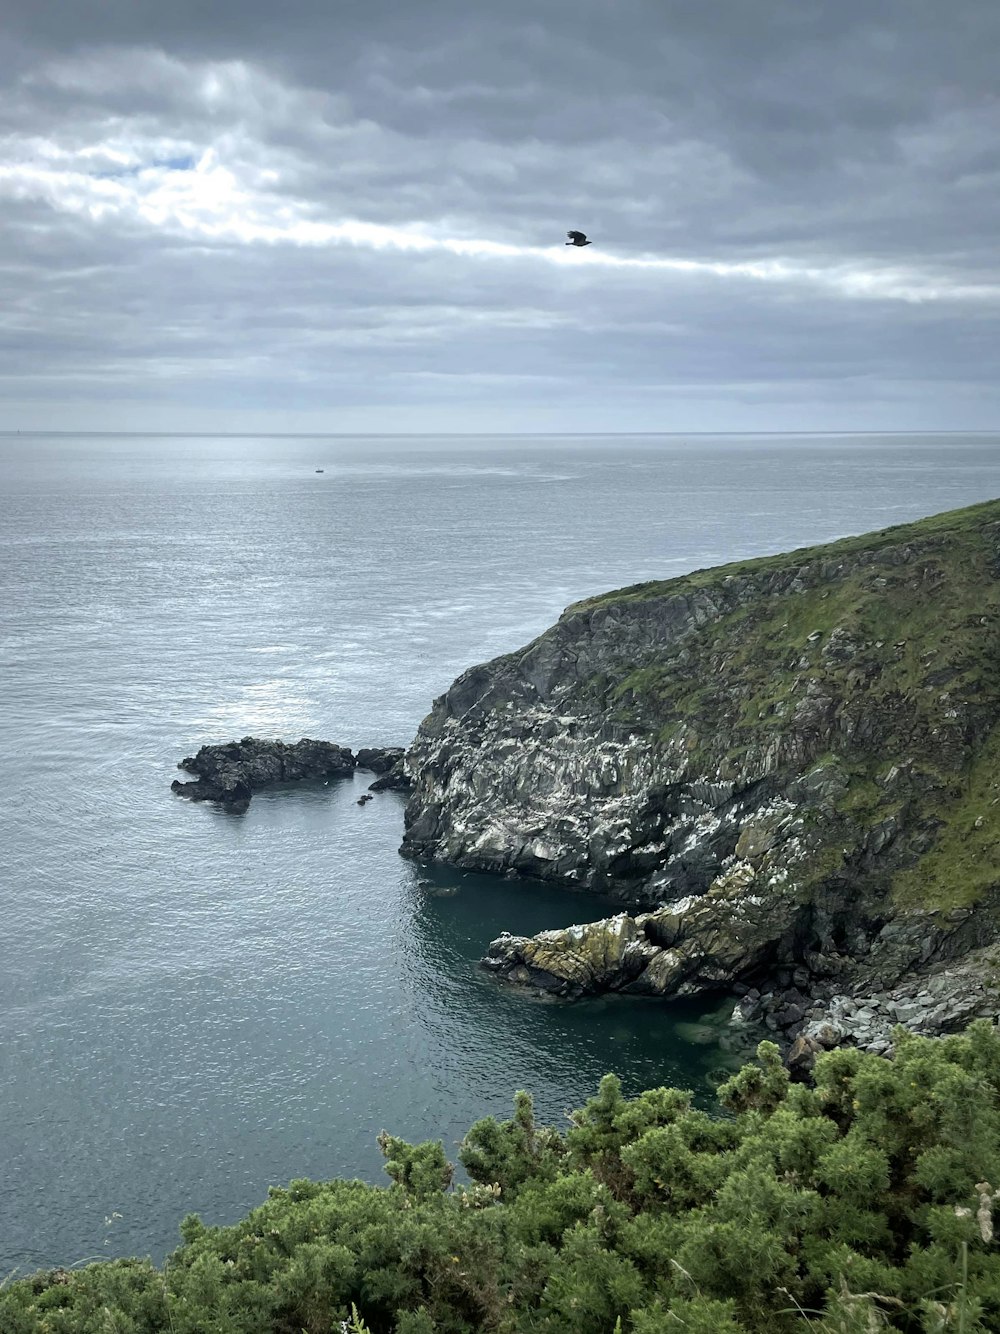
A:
(192, 205)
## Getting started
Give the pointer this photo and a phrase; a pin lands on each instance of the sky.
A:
(350, 215)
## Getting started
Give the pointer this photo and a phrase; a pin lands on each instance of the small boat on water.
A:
(319, 469)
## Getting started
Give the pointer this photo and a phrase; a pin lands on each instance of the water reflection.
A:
(558, 1049)
(194, 1006)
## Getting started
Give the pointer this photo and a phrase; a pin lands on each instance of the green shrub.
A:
(863, 1202)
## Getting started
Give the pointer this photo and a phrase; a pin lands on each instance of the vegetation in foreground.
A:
(861, 1202)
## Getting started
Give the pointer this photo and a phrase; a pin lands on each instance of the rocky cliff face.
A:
(789, 763)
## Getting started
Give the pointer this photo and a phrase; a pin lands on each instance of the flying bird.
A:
(577, 238)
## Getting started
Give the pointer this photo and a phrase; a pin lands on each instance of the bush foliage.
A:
(858, 1203)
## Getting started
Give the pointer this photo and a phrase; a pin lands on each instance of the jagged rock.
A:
(826, 1034)
(801, 1056)
(590, 958)
(232, 772)
(771, 800)
(390, 764)
(683, 949)
(790, 1014)
(746, 1010)
(941, 1001)
(396, 780)
(379, 759)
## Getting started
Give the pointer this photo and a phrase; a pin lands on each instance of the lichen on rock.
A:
(790, 763)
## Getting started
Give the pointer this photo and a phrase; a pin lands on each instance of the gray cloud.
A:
(193, 211)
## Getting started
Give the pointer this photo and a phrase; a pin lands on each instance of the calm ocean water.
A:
(194, 1006)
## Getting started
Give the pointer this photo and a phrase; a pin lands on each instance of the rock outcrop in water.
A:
(231, 773)
(793, 764)
(389, 764)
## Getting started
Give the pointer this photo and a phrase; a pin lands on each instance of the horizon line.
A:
(483, 435)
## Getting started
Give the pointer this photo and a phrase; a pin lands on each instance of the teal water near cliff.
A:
(193, 1005)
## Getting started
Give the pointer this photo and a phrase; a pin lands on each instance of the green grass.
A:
(922, 684)
(951, 524)
(965, 861)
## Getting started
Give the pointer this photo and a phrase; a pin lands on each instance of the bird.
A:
(577, 238)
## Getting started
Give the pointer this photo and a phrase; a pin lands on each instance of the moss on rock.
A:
(829, 718)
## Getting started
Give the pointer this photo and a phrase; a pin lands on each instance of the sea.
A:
(196, 1005)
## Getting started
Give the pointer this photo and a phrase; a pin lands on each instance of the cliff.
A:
(790, 762)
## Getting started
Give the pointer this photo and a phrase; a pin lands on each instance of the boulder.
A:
(389, 763)
(802, 1055)
(578, 960)
(380, 759)
(396, 780)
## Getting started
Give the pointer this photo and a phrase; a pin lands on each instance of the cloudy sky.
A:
(344, 215)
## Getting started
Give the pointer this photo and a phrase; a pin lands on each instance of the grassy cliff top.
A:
(954, 527)
(874, 657)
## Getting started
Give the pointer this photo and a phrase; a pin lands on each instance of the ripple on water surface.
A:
(194, 1005)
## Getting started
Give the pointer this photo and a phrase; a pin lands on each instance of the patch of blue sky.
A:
(187, 162)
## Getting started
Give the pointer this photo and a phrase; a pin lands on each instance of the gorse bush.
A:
(862, 1202)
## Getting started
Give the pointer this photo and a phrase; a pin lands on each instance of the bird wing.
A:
(576, 236)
